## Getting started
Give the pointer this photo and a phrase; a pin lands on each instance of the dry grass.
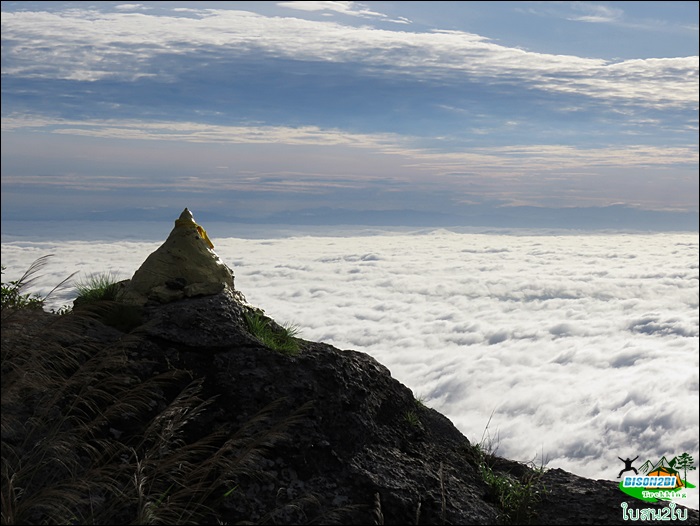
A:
(93, 435)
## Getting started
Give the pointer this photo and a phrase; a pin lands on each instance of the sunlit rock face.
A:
(184, 266)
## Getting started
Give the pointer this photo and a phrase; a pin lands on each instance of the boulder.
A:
(184, 266)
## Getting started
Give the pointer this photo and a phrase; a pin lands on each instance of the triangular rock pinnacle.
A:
(185, 265)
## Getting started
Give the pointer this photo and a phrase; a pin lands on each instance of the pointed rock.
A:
(185, 265)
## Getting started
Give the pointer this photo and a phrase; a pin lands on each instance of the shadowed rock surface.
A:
(348, 452)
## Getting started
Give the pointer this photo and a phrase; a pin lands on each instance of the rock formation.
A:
(318, 435)
(185, 265)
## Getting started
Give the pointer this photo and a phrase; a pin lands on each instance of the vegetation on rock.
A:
(102, 286)
(191, 412)
(281, 338)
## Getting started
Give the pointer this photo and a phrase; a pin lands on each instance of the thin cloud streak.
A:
(521, 158)
(343, 8)
(201, 133)
(595, 13)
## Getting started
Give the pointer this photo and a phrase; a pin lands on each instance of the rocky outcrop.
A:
(354, 446)
(355, 438)
(314, 434)
(185, 265)
(360, 445)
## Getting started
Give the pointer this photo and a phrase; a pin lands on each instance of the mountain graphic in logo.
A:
(648, 467)
(663, 468)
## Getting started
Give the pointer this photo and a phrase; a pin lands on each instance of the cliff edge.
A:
(180, 403)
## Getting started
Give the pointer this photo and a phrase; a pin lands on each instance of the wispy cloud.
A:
(595, 13)
(89, 45)
(343, 8)
(195, 132)
(130, 7)
(599, 13)
(513, 160)
(519, 159)
(298, 103)
(360, 170)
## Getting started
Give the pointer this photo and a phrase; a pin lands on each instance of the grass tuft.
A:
(412, 418)
(281, 338)
(94, 434)
(97, 287)
(516, 497)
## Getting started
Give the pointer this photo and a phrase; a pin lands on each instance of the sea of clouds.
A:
(565, 349)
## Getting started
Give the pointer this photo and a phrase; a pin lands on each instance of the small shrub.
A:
(280, 338)
(517, 498)
(12, 297)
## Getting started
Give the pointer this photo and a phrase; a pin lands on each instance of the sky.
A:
(534, 114)
(565, 349)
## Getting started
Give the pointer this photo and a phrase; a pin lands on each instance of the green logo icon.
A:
(661, 480)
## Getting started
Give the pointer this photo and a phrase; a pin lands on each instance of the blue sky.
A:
(499, 113)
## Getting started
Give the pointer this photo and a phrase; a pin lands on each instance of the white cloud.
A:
(343, 8)
(91, 45)
(494, 165)
(545, 157)
(583, 347)
(595, 13)
(199, 133)
(598, 13)
(130, 7)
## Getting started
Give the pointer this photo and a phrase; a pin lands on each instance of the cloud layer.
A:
(566, 349)
(90, 45)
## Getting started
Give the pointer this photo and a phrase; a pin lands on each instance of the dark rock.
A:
(354, 440)
(336, 438)
(205, 323)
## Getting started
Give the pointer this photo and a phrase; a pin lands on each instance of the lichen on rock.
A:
(184, 266)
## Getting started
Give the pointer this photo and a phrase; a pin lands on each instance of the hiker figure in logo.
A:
(628, 465)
